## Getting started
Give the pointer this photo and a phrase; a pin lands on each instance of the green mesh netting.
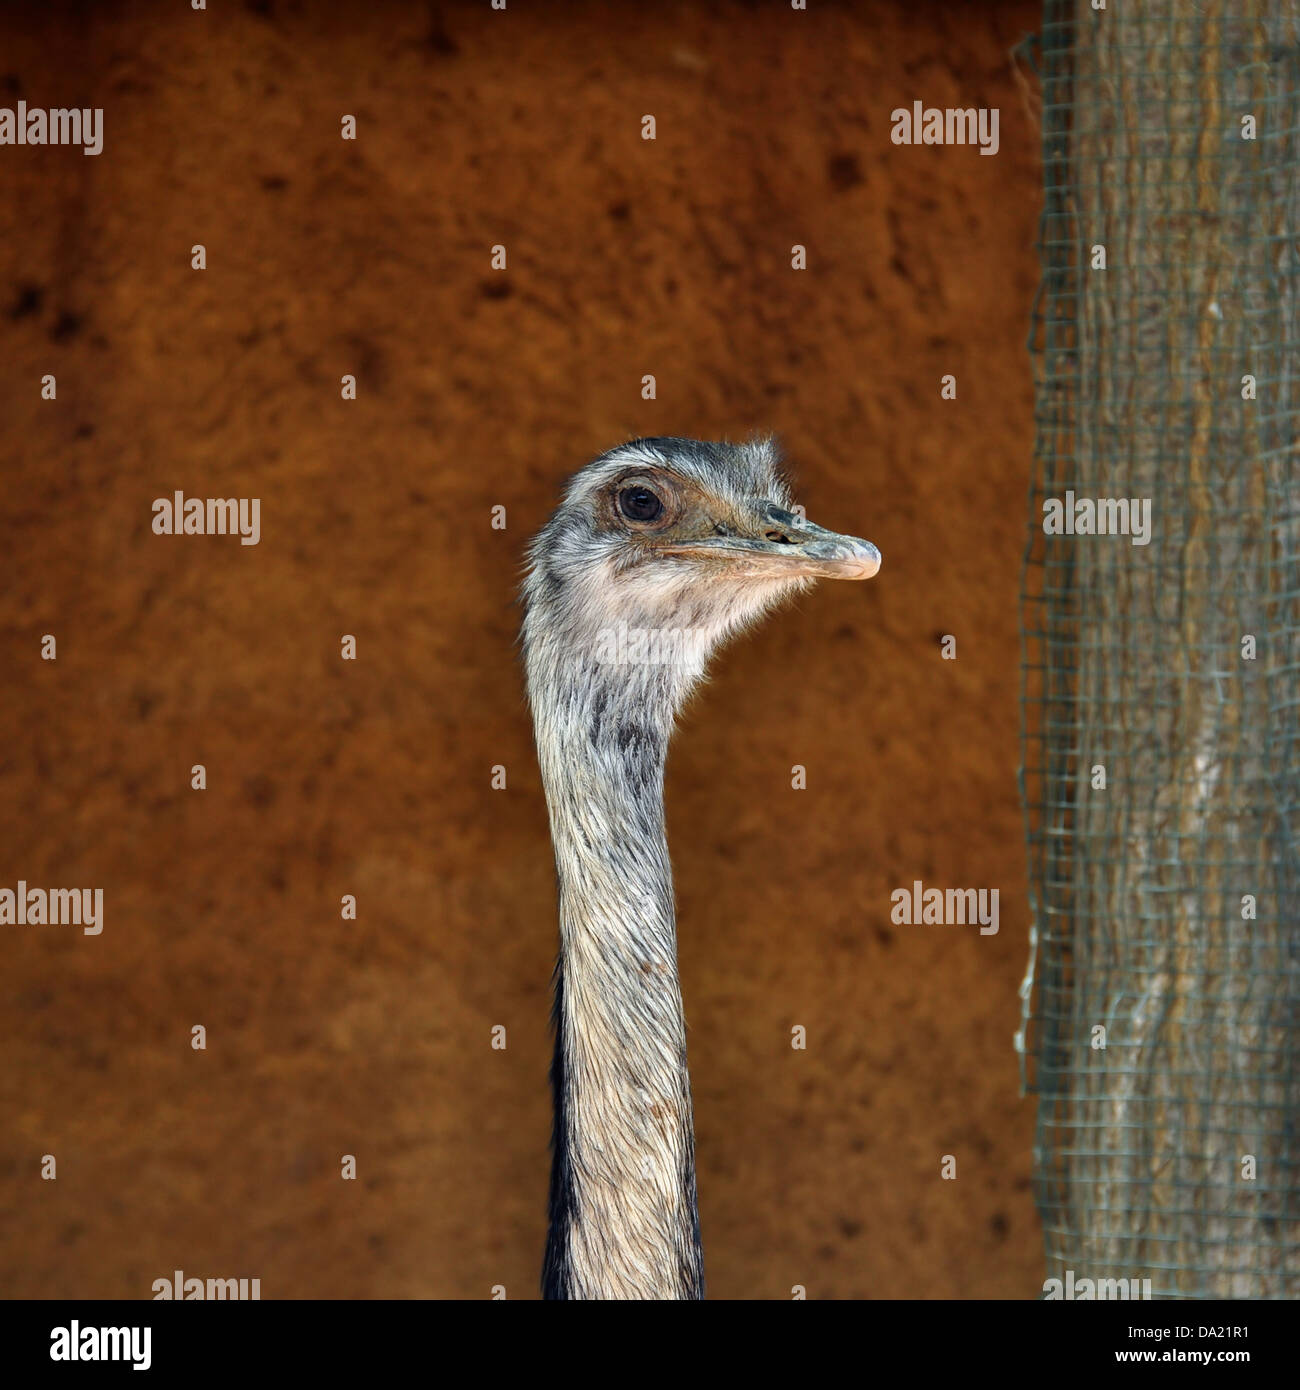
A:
(1166, 897)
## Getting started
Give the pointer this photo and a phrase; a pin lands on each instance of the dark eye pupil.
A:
(639, 503)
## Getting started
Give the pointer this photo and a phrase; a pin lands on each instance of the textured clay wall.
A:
(478, 388)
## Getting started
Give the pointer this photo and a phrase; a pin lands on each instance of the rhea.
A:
(659, 551)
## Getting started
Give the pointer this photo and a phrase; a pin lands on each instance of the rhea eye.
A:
(639, 503)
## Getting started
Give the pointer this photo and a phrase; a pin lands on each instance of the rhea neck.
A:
(624, 1220)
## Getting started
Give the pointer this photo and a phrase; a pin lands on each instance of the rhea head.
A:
(673, 535)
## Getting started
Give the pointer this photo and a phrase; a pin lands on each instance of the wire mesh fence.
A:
(1161, 672)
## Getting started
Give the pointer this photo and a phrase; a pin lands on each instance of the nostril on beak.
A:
(779, 537)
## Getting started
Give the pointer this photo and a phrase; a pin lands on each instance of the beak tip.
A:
(868, 560)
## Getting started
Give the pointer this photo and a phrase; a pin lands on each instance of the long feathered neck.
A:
(624, 1221)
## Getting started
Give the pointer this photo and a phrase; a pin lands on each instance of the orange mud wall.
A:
(479, 388)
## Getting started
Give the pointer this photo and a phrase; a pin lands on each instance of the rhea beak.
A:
(782, 546)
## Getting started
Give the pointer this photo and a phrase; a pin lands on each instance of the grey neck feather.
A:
(624, 1220)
